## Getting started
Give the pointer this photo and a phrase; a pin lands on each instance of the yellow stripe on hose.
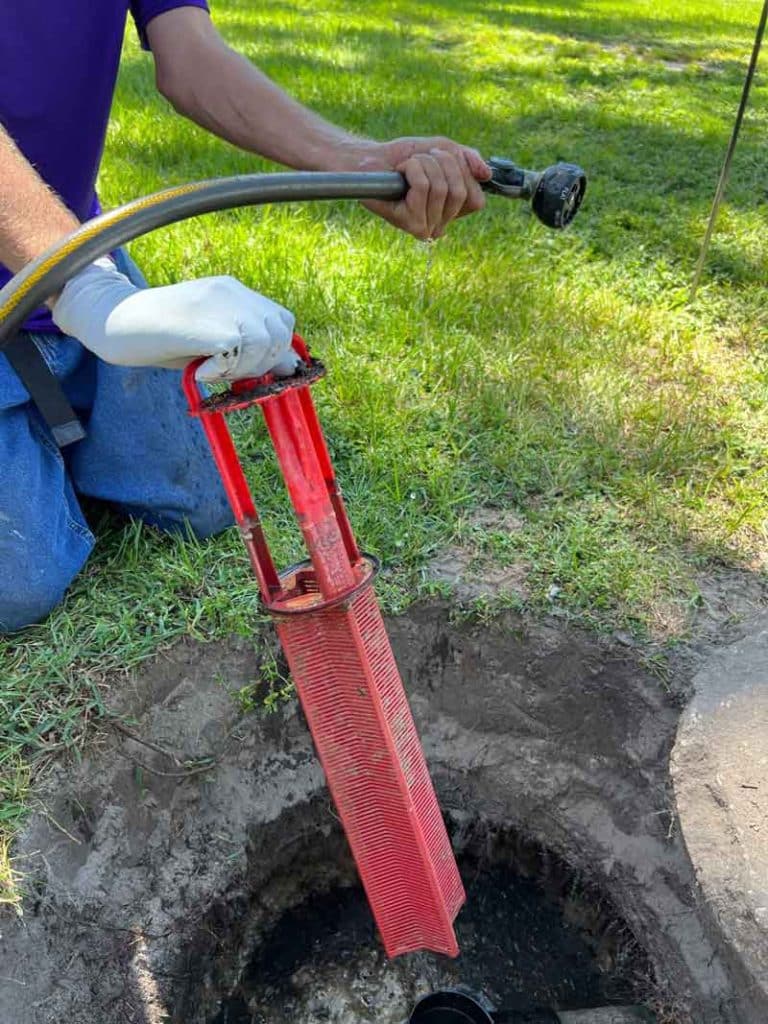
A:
(86, 233)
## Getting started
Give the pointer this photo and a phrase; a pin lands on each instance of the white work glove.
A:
(243, 333)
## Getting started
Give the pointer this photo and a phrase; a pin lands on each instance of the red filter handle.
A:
(339, 569)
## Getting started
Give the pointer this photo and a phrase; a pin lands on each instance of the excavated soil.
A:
(191, 869)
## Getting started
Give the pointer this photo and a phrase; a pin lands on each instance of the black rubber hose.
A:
(556, 195)
(47, 274)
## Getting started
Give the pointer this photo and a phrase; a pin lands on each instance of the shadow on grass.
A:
(651, 179)
(580, 20)
(651, 182)
(401, 93)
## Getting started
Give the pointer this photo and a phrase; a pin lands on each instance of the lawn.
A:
(563, 378)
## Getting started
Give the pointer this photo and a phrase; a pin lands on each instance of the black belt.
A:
(44, 389)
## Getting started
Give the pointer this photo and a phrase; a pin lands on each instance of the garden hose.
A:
(555, 194)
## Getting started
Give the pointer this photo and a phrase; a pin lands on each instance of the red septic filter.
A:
(333, 635)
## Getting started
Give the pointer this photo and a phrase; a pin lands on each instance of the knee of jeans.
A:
(210, 519)
(205, 520)
(30, 601)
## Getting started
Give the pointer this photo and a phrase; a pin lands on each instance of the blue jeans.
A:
(143, 455)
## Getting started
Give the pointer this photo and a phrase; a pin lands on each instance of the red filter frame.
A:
(341, 661)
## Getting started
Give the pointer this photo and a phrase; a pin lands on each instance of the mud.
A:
(530, 936)
(157, 866)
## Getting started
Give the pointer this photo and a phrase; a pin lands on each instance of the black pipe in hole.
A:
(453, 1007)
(449, 1008)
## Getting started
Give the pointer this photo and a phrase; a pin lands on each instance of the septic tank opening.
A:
(533, 933)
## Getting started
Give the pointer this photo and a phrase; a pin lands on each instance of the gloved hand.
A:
(243, 333)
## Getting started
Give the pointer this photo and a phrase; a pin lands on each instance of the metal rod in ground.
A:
(724, 174)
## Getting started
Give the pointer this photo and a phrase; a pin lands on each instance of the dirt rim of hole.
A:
(149, 884)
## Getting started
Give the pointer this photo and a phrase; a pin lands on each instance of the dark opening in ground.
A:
(532, 934)
(227, 896)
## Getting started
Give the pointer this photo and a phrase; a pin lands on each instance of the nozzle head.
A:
(559, 194)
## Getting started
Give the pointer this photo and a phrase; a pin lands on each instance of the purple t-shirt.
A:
(58, 66)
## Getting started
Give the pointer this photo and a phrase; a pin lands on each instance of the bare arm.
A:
(222, 91)
(32, 217)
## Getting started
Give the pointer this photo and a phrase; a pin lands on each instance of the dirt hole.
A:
(229, 897)
(533, 933)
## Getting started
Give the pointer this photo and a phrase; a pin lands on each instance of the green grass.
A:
(560, 376)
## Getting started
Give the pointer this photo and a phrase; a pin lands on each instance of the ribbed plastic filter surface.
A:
(352, 695)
